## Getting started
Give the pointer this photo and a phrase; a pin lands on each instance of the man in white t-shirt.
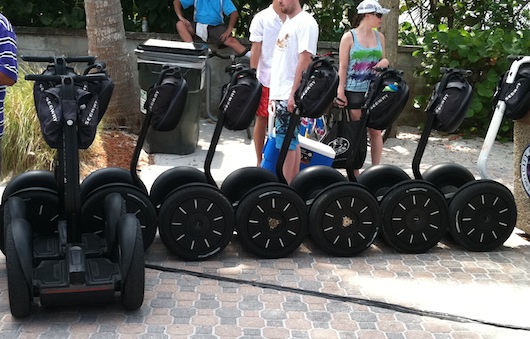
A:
(296, 44)
(264, 30)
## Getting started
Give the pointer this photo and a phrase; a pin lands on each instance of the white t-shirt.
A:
(297, 35)
(264, 28)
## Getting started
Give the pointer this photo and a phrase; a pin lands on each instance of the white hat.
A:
(371, 6)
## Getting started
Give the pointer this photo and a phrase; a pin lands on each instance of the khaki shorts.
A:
(214, 33)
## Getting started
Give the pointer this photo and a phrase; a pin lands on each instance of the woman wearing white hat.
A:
(360, 50)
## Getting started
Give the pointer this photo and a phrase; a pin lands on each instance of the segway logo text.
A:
(440, 106)
(229, 100)
(379, 101)
(308, 88)
(155, 96)
(91, 114)
(52, 109)
(513, 93)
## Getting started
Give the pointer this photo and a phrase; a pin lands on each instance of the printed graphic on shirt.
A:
(283, 43)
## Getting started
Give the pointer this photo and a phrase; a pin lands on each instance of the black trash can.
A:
(152, 55)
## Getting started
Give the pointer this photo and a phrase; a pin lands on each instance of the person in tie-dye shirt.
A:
(8, 66)
(360, 51)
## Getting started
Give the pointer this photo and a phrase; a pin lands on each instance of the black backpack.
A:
(450, 103)
(516, 95)
(388, 94)
(89, 109)
(240, 101)
(166, 100)
(317, 89)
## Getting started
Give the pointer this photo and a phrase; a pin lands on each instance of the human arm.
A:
(255, 53)
(304, 59)
(383, 63)
(231, 24)
(344, 59)
(178, 10)
(6, 80)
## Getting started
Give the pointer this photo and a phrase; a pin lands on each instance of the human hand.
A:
(227, 34)
(341, 101)
(291, 104)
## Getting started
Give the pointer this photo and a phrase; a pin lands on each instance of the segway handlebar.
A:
(463, 72)
(87, 59)
(57, 78)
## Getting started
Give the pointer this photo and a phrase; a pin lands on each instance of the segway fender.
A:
(126, 227)
(22, 233)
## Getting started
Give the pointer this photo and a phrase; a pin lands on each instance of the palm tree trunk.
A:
(106, 40)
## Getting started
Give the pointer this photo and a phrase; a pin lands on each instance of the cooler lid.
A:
(174, 47)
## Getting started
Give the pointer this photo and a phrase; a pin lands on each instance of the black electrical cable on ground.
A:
(355, 300)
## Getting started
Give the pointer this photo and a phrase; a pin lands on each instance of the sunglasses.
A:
(379, 15)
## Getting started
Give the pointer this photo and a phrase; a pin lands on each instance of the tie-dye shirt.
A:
(8, 61)
(362, 60)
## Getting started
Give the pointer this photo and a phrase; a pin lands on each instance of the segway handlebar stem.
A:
(498, 115)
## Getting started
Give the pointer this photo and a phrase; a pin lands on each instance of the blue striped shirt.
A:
(8, 61)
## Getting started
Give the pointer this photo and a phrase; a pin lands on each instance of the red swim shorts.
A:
(263, 108)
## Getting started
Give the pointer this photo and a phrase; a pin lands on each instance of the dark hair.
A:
(356, 19)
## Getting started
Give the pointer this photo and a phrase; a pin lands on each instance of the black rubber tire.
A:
(105, 176)
(271, 220)
(196, 221)
(344, 219)
(133, 286)
(380, 178)
(42, 206)
(414, 216)
(172, 179)
(136, 202)
(20, 297)
(114, 207)
(312, 180)
(30, 179)
(242, 180)
(448, 177)
(483, 215)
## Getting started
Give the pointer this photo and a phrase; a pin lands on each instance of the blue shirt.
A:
(8, 60)
(209, 12)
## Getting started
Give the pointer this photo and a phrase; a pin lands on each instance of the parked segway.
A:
(196, 219)
(414, 212)
(62, 264)
(344, 217)
(483, 213)
(271, 218)
(126, 182)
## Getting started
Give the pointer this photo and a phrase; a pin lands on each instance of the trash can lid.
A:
(174, 47)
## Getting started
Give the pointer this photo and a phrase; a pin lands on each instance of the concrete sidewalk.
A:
(445, 293)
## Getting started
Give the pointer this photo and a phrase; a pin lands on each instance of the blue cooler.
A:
(313, 153)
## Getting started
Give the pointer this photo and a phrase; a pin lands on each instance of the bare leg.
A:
(376, 145)
(291, 166)
(260, 128)
(234, 44)
(185, 31)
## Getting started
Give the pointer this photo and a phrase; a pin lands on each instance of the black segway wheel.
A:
(30, 179)
(132, 264)
(344, 220)
(380, 178)
(105, 176)
(136, 202)
(20, 296)
(314, 179)
(483, 215)
(42, 211)
(414, 216)
(448, 177)
(172, 179)
(242, 180)
(271, 220)
(196, 221)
